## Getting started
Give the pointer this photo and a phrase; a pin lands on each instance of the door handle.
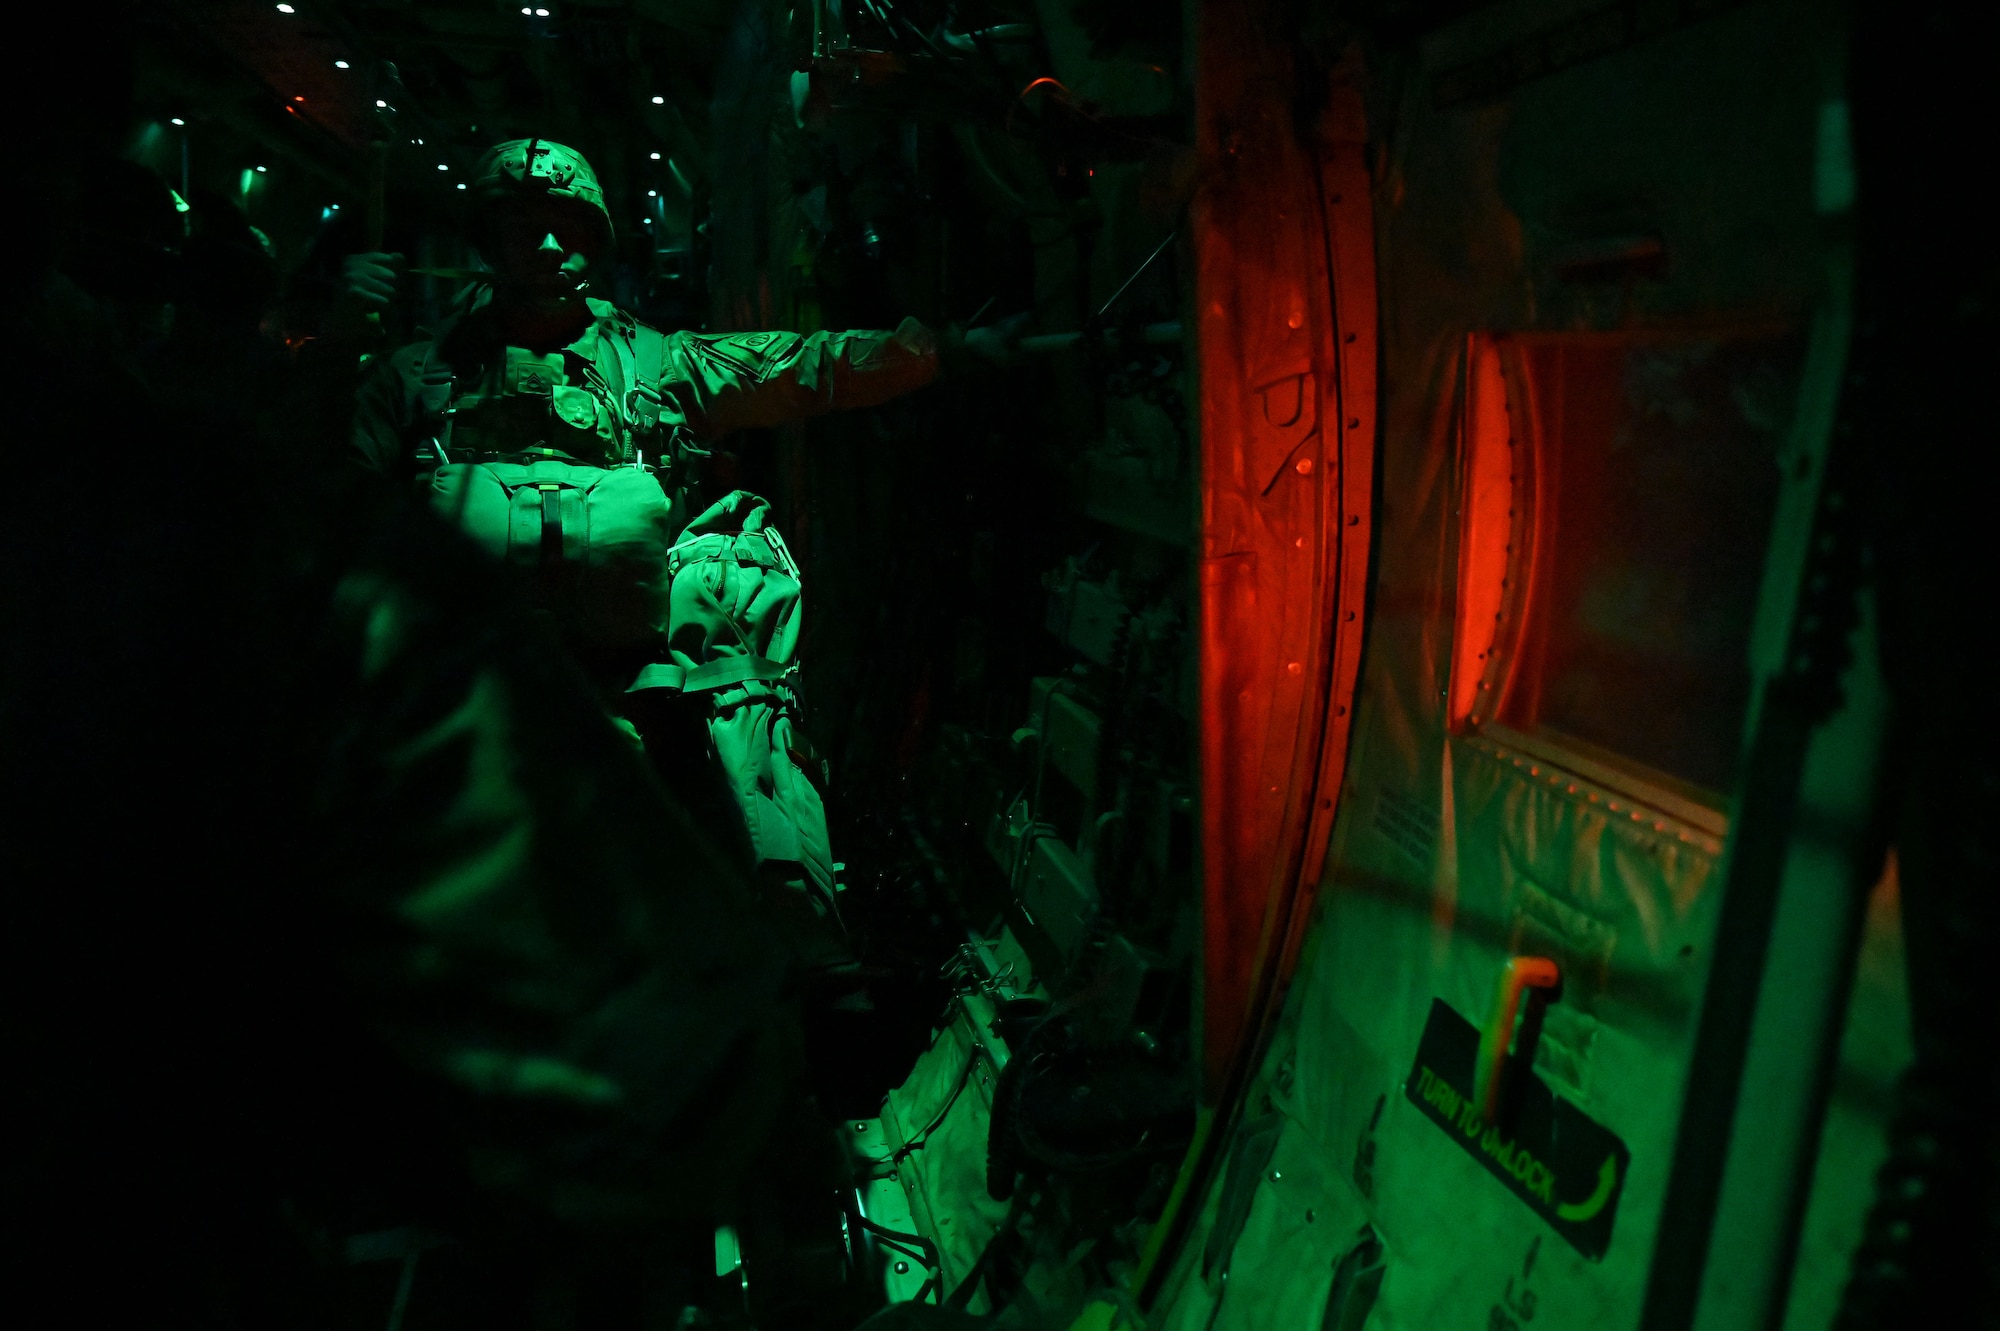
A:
(1519, 973)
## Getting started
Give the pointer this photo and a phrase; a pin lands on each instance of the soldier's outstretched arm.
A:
(732, 381)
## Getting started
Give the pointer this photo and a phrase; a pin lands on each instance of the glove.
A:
(990, 345)
(368, 284)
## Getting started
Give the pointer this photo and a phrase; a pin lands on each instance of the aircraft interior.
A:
(1393, 721)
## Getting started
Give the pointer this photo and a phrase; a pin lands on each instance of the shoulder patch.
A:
(717, 354)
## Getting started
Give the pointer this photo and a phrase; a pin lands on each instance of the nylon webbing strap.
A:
(643, 396)
(552, 524)
(734, 670)
(746, 547)
(659, 675)
(714, 675)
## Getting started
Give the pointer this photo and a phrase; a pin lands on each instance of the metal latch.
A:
(1537, 973)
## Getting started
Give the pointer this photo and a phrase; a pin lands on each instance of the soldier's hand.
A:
(370, 280)
(368, 284)
(995, 344)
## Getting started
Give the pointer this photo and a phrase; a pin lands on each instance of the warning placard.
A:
(1568, 1168)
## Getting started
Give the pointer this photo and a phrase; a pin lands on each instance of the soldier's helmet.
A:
(528, 168)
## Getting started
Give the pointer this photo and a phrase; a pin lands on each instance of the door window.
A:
(1608, 610)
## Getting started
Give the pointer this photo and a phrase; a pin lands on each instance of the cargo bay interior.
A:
(1395, 751)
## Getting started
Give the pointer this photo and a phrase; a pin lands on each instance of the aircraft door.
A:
(1608, 663)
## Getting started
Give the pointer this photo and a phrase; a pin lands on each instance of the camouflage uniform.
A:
(573, 467)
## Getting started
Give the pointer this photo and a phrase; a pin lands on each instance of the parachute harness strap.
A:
(718, 674)
(758, 549)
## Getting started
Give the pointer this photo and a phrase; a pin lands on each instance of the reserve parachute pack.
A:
(582, 488)
(577, 483)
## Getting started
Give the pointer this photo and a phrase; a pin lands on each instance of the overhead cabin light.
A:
(541, 13)
(341, 64)
(178, 121)
(527, 9)
(443, 167)
(654, 156)
(647, 220)
(286, 9)
(298, 97)
(461, 184)
(659, 101)
(260, 170)
(380, 104)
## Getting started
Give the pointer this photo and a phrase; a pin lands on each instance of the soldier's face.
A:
(544, 250)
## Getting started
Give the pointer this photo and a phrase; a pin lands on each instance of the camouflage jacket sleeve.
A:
(730, 381)
(382, 399)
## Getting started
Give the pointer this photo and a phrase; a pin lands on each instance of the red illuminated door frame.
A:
(1286, 320)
